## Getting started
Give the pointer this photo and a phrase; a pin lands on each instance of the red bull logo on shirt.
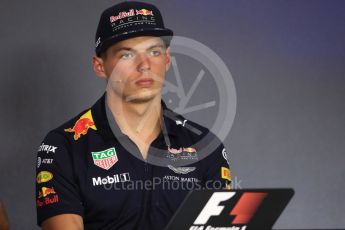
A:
(180, 150)
(174, 151)
(105, 159)
(47, 200)
(82, 125)
(189, 150)
(45, 192)
(182, 153)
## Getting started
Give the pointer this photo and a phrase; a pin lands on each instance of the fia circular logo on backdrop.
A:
(200, 87)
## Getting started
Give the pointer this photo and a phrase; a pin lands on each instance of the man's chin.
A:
(140, 98)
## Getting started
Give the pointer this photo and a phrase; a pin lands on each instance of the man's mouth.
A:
(144, 82)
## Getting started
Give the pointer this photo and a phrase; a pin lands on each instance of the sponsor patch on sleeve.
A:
(44, 176)
(225, 173)
(225, 156)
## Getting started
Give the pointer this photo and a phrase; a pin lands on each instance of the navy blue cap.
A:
(127, 20)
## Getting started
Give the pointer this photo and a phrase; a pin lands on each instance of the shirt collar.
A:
(108, 127)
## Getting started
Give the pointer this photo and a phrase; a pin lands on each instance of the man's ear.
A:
(98, 67)
(168, 59)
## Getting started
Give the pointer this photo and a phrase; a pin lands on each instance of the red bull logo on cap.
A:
(144, 12)
(82, 125)
(121, 15)
(130, 13)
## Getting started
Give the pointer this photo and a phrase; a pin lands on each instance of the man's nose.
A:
(143, 62)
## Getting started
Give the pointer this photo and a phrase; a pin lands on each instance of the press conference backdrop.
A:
(287, 63)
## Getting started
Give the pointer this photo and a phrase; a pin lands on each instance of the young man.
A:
(128, 161)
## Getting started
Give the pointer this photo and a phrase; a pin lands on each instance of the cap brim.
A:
(166, 35)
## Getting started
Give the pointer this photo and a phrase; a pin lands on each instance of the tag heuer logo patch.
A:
(105, 159)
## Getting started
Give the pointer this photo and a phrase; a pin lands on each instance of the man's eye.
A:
(155, 53)
(127, 56)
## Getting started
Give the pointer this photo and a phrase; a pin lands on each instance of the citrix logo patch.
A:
(47, 148)
(243, 211)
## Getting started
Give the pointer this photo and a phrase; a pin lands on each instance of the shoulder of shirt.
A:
(66, 125)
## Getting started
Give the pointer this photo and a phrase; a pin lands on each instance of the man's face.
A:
(135, 68)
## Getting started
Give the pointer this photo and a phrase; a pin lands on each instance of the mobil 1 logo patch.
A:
(105, 159)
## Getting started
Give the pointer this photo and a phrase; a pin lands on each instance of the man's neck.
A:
(140, 121)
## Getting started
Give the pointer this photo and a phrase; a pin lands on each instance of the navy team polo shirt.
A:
(89, 168)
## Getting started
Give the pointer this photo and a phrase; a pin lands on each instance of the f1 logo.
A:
(243, 211)
(212, 207)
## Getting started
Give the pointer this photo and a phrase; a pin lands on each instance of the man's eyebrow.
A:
(122, 49)
(156, 46)
(131, 49)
